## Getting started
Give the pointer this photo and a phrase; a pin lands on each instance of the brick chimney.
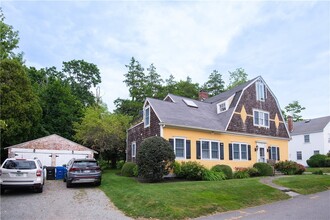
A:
(290, 123)
(203, 95)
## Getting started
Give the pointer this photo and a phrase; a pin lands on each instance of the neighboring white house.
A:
(309, 137)
(51, 150)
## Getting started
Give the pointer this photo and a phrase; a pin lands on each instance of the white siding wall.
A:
(326, 133)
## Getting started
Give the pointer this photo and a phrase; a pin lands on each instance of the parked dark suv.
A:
(82, 171)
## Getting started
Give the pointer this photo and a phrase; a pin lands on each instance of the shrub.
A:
(225, 169)
(264, 169)
(209, 175)
(241, 173)
(192, 170)
(128, 169)
(135, 171)
(177, 169)
(120, 164)
(327, 162)
(317, 160)
(153, 158)
(253, 172)
(103, 164)
(318, 172)
(289, 167)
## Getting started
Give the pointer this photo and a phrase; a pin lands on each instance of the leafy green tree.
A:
(9, 39)
(215, 84)
(294, 109)
(237, 77)
(19, 108)
(187, 88)
(128, 107)
(103, 132)
(135, 81)
(82, 76)
(154, 83)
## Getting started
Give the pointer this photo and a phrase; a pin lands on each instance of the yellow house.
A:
(238, 127)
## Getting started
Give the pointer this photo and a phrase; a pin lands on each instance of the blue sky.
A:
(286, 42)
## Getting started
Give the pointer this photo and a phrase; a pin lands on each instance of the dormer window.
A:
(261, 92)
(146, 116)
(221, 107)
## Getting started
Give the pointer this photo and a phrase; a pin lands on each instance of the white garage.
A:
(52, 150)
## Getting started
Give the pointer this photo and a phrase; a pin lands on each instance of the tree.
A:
(187, 89)
(237, 77)
(215, 84)
(8, 39)
(82, 76)
(135, 81)
(128, 107)
(19, 108)
(294, 109)
(154, 158)
(103, 132)
(153, 83)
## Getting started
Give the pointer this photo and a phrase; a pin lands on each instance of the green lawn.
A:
(305, 184)
(324, 169)
(179, 200)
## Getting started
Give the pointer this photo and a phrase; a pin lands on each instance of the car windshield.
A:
(78, 164)
(19, 164)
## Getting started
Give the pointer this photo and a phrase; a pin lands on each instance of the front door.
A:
(261, 153)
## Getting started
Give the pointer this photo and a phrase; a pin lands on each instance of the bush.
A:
(103, 164)
(289, 167)
(225, 169)
(128, 169)
(253, 172)
(327, 162)
(317, 160)
(192, 170)
(241, 173)
(120, 164)
(264, 169)
(318, 172)
(177, 169)
(153, 159)
(209, 175)
(135, 171)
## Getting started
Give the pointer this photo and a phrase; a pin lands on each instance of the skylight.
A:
(190, 103)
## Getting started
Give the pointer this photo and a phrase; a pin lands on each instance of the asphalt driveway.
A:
(59, 202)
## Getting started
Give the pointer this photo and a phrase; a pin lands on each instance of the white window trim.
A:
(219, 110)
(261, 86)
(240, 151)
(210, 149)
(299, 152)
(309, 139)
(263, 113)
(133, 149)
(184, 147)
(144, 116)
(271, 153)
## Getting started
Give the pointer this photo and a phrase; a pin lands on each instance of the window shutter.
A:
(249, 152)
(230, 152)
(221, 152)
(172, 143)
(269, 153)
(278, 153)
(198, 150)
(188, 150)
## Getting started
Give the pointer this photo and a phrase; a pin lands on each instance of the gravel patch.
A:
(59, 202)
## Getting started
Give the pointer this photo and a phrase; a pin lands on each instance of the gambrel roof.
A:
(310, 126)
(179, 111)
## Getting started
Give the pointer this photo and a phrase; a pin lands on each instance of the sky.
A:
(285, 42)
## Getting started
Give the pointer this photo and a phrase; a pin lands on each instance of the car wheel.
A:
(40, 189)
(98, 183)
(64, 179)
(68, 184)
(2, 191)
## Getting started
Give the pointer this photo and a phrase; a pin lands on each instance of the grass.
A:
(187, 199)
(305, 184)
(324, 169)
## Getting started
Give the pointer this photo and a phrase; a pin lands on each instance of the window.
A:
(260, 89)
(179, 147)
(274, 153)
(221, 107)
(240, 151)
(316, 152)
(299, 155)
(260, 118)
(210, 149)
(133, 147)
(147, 117)
(306, 138)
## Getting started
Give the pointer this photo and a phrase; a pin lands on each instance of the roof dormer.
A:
(224, 105)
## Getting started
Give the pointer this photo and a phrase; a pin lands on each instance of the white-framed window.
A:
(299, 155)
(210, 150)
(316, 152)
(133, 149)
(260, 118)
(146, 116)
(221, 107)
(179, 148)
(240, 151)
(274, 153)
(260, 90)
(306, 138)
